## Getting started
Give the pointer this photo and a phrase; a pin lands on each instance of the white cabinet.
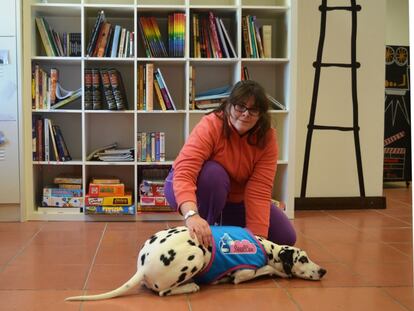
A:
(9, 133)
(8, 18)
(85, 130)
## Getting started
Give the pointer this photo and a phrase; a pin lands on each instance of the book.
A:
(107, 90)
(94, 33)
(118, 89)
(44, 36)
(92, 155)
(210, 103)
(163, 86)
(96, 89)
(275, 104)
(159, 95)
(149, 86)
(67, 100)
(88, 98)
(266, 31)
(102, 40)
(60, 142)
(115, 41)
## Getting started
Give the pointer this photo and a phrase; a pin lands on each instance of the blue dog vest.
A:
(233, 248)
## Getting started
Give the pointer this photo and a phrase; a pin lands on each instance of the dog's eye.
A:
(304, 259)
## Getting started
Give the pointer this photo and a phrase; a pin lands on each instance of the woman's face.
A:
(244, 119)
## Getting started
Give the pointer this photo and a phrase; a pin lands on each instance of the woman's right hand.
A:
(199, 228)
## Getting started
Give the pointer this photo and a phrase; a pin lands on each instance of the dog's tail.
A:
(133, 281)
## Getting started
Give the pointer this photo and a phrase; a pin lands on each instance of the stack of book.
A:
(47, 93)
(210, 38)
(257, 41)
(152, 198)
(107, 196)
(67, 192)
(149, 79)
(151, 147)
(107, 40)
(116, 155)
(47, 141)
(56, 44)
(176, 34)
(212, 98)
(104, 88)
(152, 38)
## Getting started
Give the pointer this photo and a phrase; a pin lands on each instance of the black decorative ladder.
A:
(318, 65)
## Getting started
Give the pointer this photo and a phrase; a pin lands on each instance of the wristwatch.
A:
(189, 214)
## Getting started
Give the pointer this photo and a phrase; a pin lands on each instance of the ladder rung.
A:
(343, 8)
(352, 65)
(337, 128)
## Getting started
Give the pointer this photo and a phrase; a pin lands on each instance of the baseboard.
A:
(9, 212)
(339, 203)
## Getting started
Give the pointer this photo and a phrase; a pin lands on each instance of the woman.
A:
(225, 171)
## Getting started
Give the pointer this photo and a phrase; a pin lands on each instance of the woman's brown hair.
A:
(241, 91)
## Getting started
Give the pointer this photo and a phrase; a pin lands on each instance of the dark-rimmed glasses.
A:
(254, 112)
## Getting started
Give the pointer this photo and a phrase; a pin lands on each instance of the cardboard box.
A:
(62, 201)
(109, 201)
(106, 190)
(110, 210)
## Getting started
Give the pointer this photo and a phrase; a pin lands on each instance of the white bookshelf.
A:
(85, 130)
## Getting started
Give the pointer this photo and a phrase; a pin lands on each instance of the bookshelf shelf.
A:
(86, 130)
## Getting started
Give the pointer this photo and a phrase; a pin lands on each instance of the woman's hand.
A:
(200, 228)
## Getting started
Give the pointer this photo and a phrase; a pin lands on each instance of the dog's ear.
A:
(286, 256)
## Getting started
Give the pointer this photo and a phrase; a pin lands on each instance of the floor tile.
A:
(40, 300)
(41, 254)
(43, 276)
(338, 274)
(138, 300)
(404, 295)
(108, 277)
(350, 252)
(344, 299)
(385, 274)
(118, 254)
(241, 299)
(406, 248)
(401, 234)
(58, 237)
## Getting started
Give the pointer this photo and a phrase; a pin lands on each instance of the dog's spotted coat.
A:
(171, 258)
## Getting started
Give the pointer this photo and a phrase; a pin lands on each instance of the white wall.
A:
(397, 22)
(332, 166)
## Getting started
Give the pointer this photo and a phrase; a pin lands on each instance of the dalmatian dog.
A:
(170, 262)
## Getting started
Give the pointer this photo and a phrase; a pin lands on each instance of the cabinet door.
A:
(8, 18)
(9, 162)
(8, 80)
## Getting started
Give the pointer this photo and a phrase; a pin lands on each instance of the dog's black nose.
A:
(322, 272)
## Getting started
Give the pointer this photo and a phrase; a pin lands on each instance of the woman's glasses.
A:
(254, 112)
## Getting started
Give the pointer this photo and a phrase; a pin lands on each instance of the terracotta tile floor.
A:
(368, 255)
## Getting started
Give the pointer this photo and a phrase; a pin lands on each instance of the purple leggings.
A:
(213, 185)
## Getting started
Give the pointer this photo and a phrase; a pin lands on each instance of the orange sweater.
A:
(251, 170)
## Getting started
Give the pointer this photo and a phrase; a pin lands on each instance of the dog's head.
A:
(295, 262)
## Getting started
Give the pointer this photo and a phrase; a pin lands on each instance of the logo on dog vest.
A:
(234, 248)
(230, 247)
